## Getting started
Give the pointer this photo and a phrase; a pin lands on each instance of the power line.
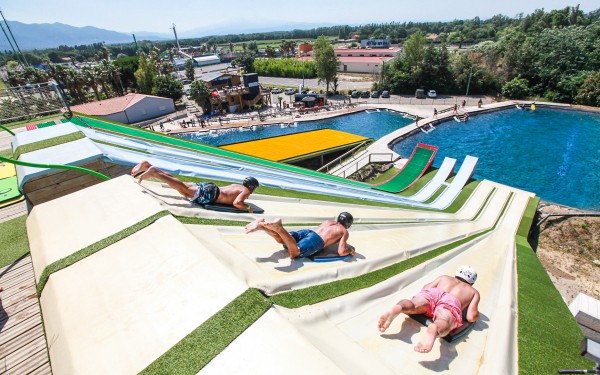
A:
(20, 55)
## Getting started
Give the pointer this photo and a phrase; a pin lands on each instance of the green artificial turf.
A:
(34, 146)
(13, 240)
(6, 153)
(93, 248)
(421, 182)
(198, 348)
(203, 221)
(384, 176)
(549, 337)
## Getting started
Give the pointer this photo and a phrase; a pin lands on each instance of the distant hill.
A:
(50, 35)
(248, 26)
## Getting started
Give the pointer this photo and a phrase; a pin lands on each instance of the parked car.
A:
(385, 94)
(420, 94)
(432, 94)
(188, 91)
(355, 94)
(364, 94)
(276, 90)
(289, 91)
(375, 94)
(186, 82)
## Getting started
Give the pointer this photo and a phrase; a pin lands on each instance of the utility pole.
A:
(135, 41)
(469, 82)
(176, 39)
(382, 72)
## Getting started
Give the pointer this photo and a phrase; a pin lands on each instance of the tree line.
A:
(552, 55)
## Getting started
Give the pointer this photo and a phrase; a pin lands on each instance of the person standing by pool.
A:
(435, 113)
(306, 242)
(202, 193)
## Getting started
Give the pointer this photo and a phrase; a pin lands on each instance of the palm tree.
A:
(292, 47)
(89, 79)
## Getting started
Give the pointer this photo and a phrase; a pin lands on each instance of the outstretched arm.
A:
(343, 247)
(473, 311)
(239, 201)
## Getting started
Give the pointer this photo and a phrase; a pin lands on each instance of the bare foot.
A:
(147, 174)
(254, 226)
(140, 168)
(273, 225)
(426, 343)
(385, 320)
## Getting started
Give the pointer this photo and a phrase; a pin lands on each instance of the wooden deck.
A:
(23, 347)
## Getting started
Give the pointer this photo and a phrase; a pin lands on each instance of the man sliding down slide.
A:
(201, 193)
(306, 242)
(443, 300)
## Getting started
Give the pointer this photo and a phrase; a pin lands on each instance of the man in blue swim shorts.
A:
(201, 193)
(306, 242)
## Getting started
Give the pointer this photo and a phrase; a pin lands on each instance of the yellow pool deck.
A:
(295, 146)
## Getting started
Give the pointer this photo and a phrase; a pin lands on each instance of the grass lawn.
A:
(13, 242)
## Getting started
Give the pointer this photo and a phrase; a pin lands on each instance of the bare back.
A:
(234, 195)
(331, 232)
(459, 289)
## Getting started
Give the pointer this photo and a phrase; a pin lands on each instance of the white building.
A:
(128, 109)
(206, 60)
(362, 60)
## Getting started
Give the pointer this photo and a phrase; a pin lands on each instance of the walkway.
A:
(22, 341)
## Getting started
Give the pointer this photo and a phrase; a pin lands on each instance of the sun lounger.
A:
(418, 162)
(436, 182)
(462, 177)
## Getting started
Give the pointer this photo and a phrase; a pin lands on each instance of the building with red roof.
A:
(128, 109)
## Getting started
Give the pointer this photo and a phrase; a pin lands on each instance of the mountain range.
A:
(51, 35)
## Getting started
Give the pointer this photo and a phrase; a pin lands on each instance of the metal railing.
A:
(353, 164)
(343, 156)
(355, 167)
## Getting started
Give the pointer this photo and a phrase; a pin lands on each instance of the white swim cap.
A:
(467, 273)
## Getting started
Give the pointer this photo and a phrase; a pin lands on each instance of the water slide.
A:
(210, 162)
(120, 264)
(119, 277)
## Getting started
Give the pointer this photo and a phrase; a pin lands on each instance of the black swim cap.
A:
(251, 183)
(345, 219)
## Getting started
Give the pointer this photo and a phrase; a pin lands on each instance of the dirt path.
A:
(569, 249)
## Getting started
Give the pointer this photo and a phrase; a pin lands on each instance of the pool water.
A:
(370, 125)
(552, 153)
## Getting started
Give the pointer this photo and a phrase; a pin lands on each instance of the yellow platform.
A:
(294, 146)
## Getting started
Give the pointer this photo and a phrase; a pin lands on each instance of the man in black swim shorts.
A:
(204, 192)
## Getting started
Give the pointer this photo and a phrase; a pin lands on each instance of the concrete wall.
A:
(360, 67)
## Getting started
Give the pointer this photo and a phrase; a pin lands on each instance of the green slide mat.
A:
(9, 188)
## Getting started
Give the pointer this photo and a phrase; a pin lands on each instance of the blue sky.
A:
(158, 15)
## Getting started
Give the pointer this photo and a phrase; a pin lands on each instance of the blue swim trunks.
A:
(308, 242)
(206, 193)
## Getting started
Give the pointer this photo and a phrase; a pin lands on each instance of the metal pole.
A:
(381, 83)
(14, 40)
(469, 82)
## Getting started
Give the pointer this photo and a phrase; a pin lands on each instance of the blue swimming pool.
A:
(370, 125)
(551, 152)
